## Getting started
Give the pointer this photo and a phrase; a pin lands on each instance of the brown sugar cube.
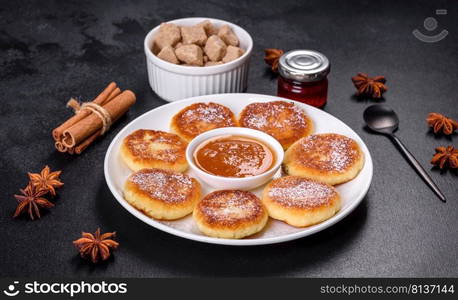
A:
(215, 48)
(232, 53)
(168, 54)
(209, 28)
(178, 45)
(193, 35)
(213, 63)
(228, 36)
(169, 35)
(205, 58)
(190, 54)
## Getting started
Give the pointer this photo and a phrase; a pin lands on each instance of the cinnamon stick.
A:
(100, 99)
(78, 149)
(85, 128)
(112, 95)
(84, 144)
(60, 147)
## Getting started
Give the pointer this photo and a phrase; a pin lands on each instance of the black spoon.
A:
(382, 119)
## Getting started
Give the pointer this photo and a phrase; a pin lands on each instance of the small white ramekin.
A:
(175, 82)
(244, 183)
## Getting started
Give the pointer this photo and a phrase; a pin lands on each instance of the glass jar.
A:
(303, 77)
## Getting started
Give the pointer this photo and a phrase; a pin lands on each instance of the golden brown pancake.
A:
(162, 194)
(231, 214)
(283, 120)
(154, 149)
(200, 117)
(328, 157)
(299, 201)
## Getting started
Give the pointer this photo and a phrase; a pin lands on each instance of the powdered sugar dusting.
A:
(200, 117)
(229, 207)
(283, 120)
(163, 185)
(153, 144)
(330, 152)
(294, 191)
(206, 113)
(277, 114)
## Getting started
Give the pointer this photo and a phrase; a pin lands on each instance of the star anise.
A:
(441, 123)
(46, 180)
(96, 246)
(30, 201)
(446, 156)
(272, 56)
(369, 86)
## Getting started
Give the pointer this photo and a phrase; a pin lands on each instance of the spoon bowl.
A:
(381, 118)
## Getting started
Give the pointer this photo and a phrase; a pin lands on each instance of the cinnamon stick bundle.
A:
(92, 119)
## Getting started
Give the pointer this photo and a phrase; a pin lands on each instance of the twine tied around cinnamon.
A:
(92, 119)
(97, 109)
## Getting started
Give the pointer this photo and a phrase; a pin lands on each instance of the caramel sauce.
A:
(234, 156)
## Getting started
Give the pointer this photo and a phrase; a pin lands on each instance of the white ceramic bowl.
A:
(244, 183)
(175, 82)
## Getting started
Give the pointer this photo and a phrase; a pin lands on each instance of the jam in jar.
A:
(303, 77)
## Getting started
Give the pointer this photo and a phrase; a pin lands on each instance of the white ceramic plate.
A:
(116, 172)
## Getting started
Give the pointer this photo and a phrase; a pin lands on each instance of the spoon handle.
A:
(418, 168)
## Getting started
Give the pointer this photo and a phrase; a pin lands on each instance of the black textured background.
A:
(51, 50)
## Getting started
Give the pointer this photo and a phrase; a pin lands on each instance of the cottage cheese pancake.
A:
(283, 120)
(329, 157)
(299, 201)
(200, 117)
(162, 194)
(154, 149)
(230, 214)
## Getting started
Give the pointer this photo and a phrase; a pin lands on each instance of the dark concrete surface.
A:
(53, 50)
